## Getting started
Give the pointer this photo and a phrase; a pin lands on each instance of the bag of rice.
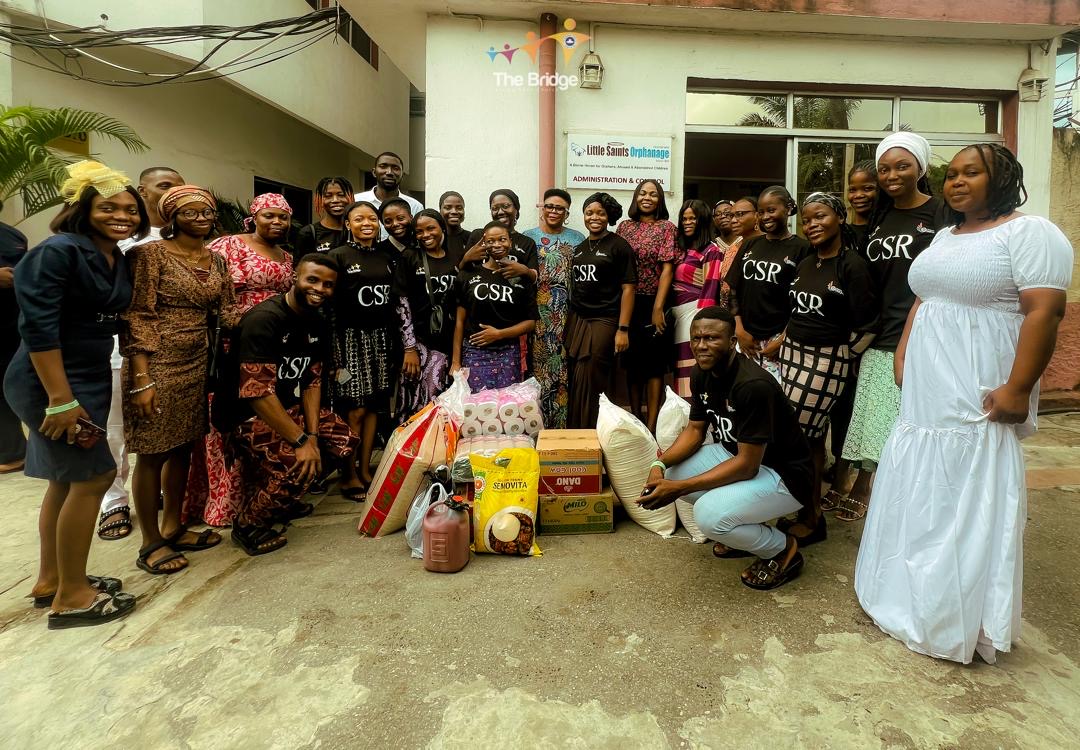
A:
(422, 443)
(504, 509)
(673, 417)
(629, 448)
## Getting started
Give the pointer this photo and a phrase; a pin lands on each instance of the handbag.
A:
(435, 321)
(215, 361)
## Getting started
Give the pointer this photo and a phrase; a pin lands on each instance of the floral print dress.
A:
(213, 489)
(552, 298)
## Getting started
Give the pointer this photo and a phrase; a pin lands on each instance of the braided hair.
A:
(1006, 191)
(782, 193)
(324, 183)
(848, 238)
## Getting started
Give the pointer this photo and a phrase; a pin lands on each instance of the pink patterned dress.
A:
(698, 284)
(213, 488)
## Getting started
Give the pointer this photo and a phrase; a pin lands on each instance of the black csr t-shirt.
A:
(744, 404)
(522, 250)
(315, 238)
(491, 300)
(457, 243)
(831, 298)
(760, 279)
(598, 270)
(273, 333)
(365, 297)
(890, 248)
(410, 279)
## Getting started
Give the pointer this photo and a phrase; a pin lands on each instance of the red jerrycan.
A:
(446, 536)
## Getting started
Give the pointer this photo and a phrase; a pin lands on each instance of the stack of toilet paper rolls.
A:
(514, 410)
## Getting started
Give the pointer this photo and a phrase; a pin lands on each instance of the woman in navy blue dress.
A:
(71, 290)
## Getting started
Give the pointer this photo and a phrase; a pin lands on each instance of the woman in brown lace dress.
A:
(178, 286)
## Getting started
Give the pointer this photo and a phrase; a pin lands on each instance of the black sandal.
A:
(122, 523)
(104, 608)
(767, 574)
(356, 494)
(201, 542)
(819, 534)
(725, 552)
(253, 539)
(156, 569)
(101, 583)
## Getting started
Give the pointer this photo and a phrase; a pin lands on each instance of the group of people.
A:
(937, 318)
(251, 365)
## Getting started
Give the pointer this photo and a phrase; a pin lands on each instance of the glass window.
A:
(842, 113)
(824, 166)
(743, 110)
(934, 116)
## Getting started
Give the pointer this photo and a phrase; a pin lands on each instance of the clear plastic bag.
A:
(414, 524)
(453, 398)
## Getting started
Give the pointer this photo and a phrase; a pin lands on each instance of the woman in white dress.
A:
(941, 561)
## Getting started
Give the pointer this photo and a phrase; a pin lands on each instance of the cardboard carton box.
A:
(577, 514)
(571, 462)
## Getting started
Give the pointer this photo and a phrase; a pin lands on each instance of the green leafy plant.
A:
(28, 165)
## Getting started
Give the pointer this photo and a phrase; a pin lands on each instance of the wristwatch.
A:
(301, 441)
(624, 329)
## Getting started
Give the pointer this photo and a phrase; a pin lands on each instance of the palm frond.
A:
(27, 163)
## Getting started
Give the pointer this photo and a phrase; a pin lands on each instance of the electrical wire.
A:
(72, 44)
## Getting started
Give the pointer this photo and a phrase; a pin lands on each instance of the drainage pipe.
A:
(546, 175)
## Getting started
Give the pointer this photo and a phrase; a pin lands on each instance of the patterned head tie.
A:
(264, 201)
(270, 200)
(177, 197)
(829, 200)
(83, 174)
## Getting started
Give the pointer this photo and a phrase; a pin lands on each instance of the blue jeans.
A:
(735, 514)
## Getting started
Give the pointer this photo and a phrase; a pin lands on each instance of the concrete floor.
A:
(624, 640)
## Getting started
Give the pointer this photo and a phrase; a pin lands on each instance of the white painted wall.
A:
(215, 135)
(480, 136)
(327, 85)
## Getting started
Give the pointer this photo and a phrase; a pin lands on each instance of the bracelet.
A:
(141, 375)
(142, 388)
(658, 464)
(51, 411)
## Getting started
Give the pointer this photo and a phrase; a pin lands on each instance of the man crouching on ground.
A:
(278, 428)
(759, 467)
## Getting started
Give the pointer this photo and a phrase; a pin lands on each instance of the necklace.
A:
(191, 260)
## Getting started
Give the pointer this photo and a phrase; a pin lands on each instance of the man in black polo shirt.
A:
(277, 423)
(759, 467)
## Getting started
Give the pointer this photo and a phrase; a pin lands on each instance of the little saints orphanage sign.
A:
(617, 162)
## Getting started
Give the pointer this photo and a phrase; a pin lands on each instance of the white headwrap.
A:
(913, 143)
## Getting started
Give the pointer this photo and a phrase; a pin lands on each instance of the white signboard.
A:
(617, 162)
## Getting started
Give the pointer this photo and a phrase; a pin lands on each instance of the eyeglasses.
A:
(191, 213)
(552, 208)
(740, 214)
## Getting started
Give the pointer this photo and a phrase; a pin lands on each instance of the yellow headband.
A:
(108, 182)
